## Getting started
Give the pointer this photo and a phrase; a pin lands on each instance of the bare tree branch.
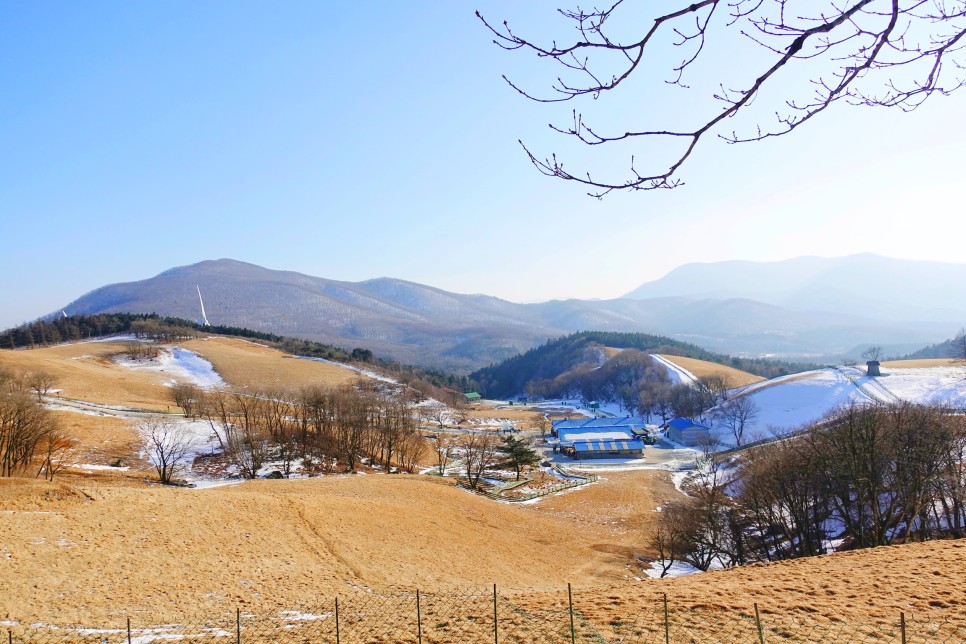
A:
(886, 53)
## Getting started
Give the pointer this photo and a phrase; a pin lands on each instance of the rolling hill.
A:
(418, 324)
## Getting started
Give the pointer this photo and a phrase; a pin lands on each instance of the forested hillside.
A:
(540, 366)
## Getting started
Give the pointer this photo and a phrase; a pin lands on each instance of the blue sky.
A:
(359, 140)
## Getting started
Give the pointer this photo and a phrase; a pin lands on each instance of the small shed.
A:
(688, 432)
(472, 396)
(872, 368)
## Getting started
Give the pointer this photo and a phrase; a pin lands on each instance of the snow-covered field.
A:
(787, 403)
(180, 365)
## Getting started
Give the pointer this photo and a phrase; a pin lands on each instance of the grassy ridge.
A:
(556, 357)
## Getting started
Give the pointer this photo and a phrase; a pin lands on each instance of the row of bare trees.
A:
(866, 476)
(29, 434)
(314, 426)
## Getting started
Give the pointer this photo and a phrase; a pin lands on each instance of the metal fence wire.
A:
(482, 616)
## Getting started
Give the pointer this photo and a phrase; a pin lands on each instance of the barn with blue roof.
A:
(600, 437)
(688, 432)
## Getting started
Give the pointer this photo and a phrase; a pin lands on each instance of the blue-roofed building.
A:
(632, 423)
(688, 432)
(600, 437)
(607, 448)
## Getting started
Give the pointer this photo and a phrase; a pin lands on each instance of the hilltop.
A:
(418, 324)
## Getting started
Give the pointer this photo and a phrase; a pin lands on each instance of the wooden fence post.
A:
(128, 630)
(902, 626)
(337, 639)
(238, 626)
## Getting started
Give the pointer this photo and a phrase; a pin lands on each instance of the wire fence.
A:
(486, 616)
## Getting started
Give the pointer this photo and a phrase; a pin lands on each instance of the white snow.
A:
(90, 468)
(677, 569)
(790, 402)
(593, 436)
(679, 375)
(932, 385)
(364, 372)
(181, 365)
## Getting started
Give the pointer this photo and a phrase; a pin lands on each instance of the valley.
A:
(103, 541)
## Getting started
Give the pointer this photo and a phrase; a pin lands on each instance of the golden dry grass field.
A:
(92, 548)
(701, 368)
(242, 363)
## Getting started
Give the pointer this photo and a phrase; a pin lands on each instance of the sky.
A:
(359, 140)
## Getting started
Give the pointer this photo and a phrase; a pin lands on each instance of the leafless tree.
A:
(41, 382)
(873, 353)
(25, 428)
(167, 443)
(438, 415)
(806, 56)
(718, 385)
(479, 453)
(736, 415)
(190, 398)
(443, 445)
(669, 535)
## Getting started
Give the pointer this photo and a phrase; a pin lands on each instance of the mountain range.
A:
(822, 308)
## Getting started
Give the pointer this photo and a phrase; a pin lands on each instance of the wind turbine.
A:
(204, 318)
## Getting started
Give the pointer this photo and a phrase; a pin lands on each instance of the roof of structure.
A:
(608, 446)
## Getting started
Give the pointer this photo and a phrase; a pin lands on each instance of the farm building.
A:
(633, 424)
(600, 437)
(688, 432)
(607, 448)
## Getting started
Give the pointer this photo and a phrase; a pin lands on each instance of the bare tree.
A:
(873, 353)
(190, 398)
(41, 382)
(443, 445)
(669, 535)
(718, 385)
(736, 415)
(167, 444)
(25, 428)
(811, 54)
(479, 453)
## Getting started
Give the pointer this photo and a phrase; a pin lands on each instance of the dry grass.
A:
(246, 364)
(97, 547)
(701, 368)
(159, 551)
(86, 550)
(85, 371)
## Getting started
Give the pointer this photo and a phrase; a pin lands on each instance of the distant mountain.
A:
(422, 325)
(865, 286)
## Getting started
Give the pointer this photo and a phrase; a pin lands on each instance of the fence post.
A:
(9, 637)
(902, 626)
(128, 630)
(496, 622)
(570, 601)
(238, 626)
(337, 640)
(761, 633)
(667, 624)
(419, 620)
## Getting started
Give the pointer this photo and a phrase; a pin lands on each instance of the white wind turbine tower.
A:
(204, 318)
